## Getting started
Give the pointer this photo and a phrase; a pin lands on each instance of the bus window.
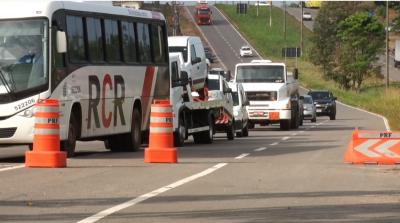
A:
(144, 42)
(128, 42)
(157, 35)
(76, 44)
(112, 40)
(95, 40)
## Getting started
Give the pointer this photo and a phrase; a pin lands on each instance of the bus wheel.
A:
(133, 140)
(69, 145)
(180, 134)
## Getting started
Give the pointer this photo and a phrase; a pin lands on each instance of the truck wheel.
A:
(205, 137)
(245, 131)
(314, 119)
(230, 130)
(69, 145)
(332, 117)
(180, 134)
(285, 124)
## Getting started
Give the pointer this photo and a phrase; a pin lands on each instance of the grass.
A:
(269, 41)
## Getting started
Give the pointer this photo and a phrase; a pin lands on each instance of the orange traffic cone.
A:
(46, 140)
(161, 139)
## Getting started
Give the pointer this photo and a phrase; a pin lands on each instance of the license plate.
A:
(319, 110)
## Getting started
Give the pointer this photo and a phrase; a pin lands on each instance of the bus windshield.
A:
(266, 74)
(23, 55)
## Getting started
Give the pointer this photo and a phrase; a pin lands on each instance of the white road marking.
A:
(301, 132)
(285, 138)
(363, 148)
(11, 168)
(112, 210)
(294, 134)
(242, 156)
(260, 149)
(384, 148)
(313, 126)
(274, 144)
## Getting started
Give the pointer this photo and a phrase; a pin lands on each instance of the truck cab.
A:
(272, 93)
(203, 14)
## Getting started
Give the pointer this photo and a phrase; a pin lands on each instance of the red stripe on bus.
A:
(146, 90)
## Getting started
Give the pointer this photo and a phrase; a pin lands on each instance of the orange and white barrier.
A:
(46, 140)
(161, 139)
(373, 147)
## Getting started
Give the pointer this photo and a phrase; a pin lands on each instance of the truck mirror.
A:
(296, 73)
(301, 97)
(61, 42)
(184, 78)
(228, 90)
(196, 60)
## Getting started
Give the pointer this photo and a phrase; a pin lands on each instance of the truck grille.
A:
(7, 132)
(262, 96)
(204, 20)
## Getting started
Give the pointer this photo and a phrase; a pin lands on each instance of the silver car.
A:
(310, 111)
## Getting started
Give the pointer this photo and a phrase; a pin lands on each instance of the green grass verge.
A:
(269, 41)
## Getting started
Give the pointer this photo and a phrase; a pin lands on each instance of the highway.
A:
(270, 176)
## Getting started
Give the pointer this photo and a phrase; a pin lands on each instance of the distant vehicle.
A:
(310, 111)
(218, 89)
(312, 4)
(240, 102)
(263, 3)
(209, 54)
(307, 16)
(325, 103)
(246, 51)
(194, 59)
(203, 14)
(222, 72)
(397, 54)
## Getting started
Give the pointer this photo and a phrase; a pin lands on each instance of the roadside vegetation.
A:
(370, 94)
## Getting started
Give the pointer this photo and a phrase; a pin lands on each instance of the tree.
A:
(360, 39)
(324, 48)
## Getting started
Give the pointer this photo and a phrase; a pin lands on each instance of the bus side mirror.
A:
(61, 42)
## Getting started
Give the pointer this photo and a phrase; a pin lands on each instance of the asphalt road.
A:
(270, 176)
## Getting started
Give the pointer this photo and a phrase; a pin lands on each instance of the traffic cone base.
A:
(45, 159)
(160, 155)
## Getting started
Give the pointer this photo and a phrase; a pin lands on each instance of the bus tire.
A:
(133, 140)
(69, 145)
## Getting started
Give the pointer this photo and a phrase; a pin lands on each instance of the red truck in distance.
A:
(203, 14)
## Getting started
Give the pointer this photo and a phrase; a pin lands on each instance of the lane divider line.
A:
(12, 168)
(294, 134)
(274, 144)
(260, 149)
(242, 156)
(285, 138)
(141, 198)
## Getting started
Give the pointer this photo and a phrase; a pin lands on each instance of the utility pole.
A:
(301, 30)
(387, 44)
(284, 26)
(257, 7)
(270, 14)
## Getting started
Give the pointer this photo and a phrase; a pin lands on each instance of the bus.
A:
(104, 64)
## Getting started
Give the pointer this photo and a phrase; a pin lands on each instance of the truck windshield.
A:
(179, 49)
(213, 84)
(267, 74)
(235, 97)
(203, 11)
(23, 55)
(307, 100)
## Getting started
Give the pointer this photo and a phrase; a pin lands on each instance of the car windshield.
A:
(178, 49)
(307, 100)
(220, 72)
(213, 84)
(235, 97)
(245, 48)
(318, 95)
(267, 74)
(23, 55)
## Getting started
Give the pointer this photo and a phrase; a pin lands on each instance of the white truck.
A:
(272, 93)
(193, 115)
(397, 54)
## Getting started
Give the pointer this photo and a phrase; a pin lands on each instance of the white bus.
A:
(105, 64)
